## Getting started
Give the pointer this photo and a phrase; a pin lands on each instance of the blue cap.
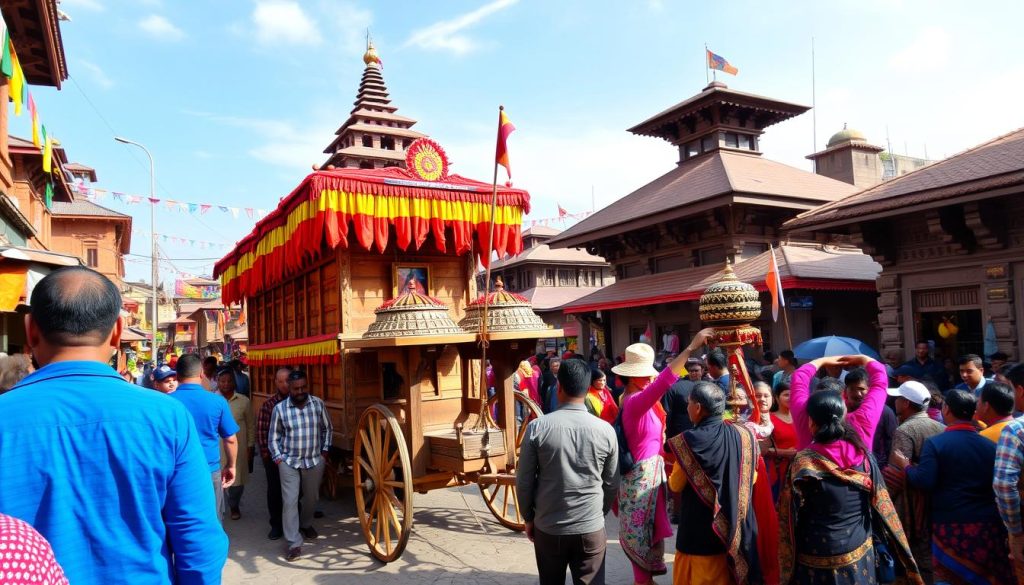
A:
(163, 372)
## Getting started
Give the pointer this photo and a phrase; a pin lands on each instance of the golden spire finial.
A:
(370, 56)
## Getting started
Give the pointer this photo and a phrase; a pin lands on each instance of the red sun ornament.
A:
(427, 160)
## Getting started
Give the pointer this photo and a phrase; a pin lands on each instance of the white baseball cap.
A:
(913, 391)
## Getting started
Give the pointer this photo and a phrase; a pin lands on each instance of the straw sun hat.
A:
(639, 362)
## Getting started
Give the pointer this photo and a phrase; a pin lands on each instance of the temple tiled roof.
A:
(995, 164)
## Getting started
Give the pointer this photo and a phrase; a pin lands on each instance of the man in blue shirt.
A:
(214, 422)
(111, 474)
(972, 373)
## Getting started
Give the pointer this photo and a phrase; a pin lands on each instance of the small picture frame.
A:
(417, 274)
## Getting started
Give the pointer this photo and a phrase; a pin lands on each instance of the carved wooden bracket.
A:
(873, 240)
(948, 224)
(987, 224)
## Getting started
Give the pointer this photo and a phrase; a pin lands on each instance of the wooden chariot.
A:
(331, 281)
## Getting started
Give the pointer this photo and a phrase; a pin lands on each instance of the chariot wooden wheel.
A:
(383, 483)
(499, 489)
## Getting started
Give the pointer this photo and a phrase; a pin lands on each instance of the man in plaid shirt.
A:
(1007, 480)
(300, 436)
(263, 441)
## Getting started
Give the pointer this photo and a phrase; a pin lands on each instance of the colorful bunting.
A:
(47, 152)
(35, 121)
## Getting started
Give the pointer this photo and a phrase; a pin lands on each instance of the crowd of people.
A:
(101, 482)
(840, 470)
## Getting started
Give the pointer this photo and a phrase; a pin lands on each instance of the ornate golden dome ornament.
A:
(506, 311)
(730, 306)
(411, 314)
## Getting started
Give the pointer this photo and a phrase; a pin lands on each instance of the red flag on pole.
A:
(562, 212)
(505, 128)
(774, 283)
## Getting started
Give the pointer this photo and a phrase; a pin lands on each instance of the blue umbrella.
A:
(833, 345)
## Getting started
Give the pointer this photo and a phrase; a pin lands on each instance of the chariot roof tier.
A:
(374, 209)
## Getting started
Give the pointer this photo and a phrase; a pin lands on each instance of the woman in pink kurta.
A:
(643, 518)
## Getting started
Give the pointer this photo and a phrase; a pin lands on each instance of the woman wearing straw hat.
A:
(643, 518)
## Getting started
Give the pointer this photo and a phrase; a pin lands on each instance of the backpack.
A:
(626, 462)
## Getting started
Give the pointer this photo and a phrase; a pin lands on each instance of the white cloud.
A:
(447, 35)
(927, 52)
(284, 21)
(161, 29)
(99, 76)
(283, 144)
(92, 5)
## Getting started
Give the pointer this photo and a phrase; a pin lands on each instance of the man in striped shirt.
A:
(263, 441)
(300, 436)
(1007, 480)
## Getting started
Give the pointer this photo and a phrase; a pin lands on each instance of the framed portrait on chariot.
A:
(418, 275)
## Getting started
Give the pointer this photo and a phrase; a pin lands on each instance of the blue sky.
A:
(236, 99)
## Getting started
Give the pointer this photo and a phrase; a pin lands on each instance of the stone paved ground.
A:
(454, 540)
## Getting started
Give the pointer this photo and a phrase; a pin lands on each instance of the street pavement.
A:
(454, 539)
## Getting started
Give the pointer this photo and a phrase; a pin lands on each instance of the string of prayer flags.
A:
(96, 194)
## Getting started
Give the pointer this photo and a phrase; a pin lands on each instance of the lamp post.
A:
(152, 230)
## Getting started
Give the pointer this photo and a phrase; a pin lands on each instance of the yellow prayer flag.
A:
(48, 155)
(17, 82)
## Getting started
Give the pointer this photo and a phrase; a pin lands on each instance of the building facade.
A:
(99, 236)
(723, 202)
(551, 279)
(950, 247)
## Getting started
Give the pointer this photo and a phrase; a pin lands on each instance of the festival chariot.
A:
(366, 278)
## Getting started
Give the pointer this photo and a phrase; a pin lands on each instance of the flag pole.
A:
(483, 423)
(785, 313)
(706, 78)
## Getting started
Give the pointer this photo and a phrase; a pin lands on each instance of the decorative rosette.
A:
(427, 159)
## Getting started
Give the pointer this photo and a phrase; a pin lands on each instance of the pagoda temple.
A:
(374, 136)
(669, 240)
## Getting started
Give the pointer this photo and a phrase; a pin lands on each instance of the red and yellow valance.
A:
(320, 349)
(369, 207)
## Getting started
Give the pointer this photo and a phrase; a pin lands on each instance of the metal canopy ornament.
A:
(507, 311)
(729, 306)
(411, 314)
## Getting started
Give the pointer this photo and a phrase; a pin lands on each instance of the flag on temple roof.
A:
(505, 128)
(47, 152)
(719, 63)
(561, 211)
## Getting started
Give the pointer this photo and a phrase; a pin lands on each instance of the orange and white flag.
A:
(774, 283)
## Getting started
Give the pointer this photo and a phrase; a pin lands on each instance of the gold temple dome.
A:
(370, 56)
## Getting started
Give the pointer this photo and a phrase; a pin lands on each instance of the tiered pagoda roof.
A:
(374, 136)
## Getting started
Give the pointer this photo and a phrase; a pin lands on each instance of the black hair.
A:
(189, 366)
(961, 404)
(855, 376)
(829, 384)
(210, 360)
(75, 307)
(574, 378)
(788, 355)
(225, 372)
(828, 411)
(595, 374)
(920, 341)
(717, 359)
(296, 375)
(972, 358)
(999, 397)
(782, 386)
(1016, 375)
(999, 355)
(709, 396)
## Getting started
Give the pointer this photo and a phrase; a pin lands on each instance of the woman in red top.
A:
(781, 445)
(599, 400)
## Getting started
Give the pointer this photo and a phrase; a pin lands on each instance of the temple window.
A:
(367, 141)
(387, 143)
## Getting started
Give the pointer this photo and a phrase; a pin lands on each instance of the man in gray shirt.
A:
(566, 481)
